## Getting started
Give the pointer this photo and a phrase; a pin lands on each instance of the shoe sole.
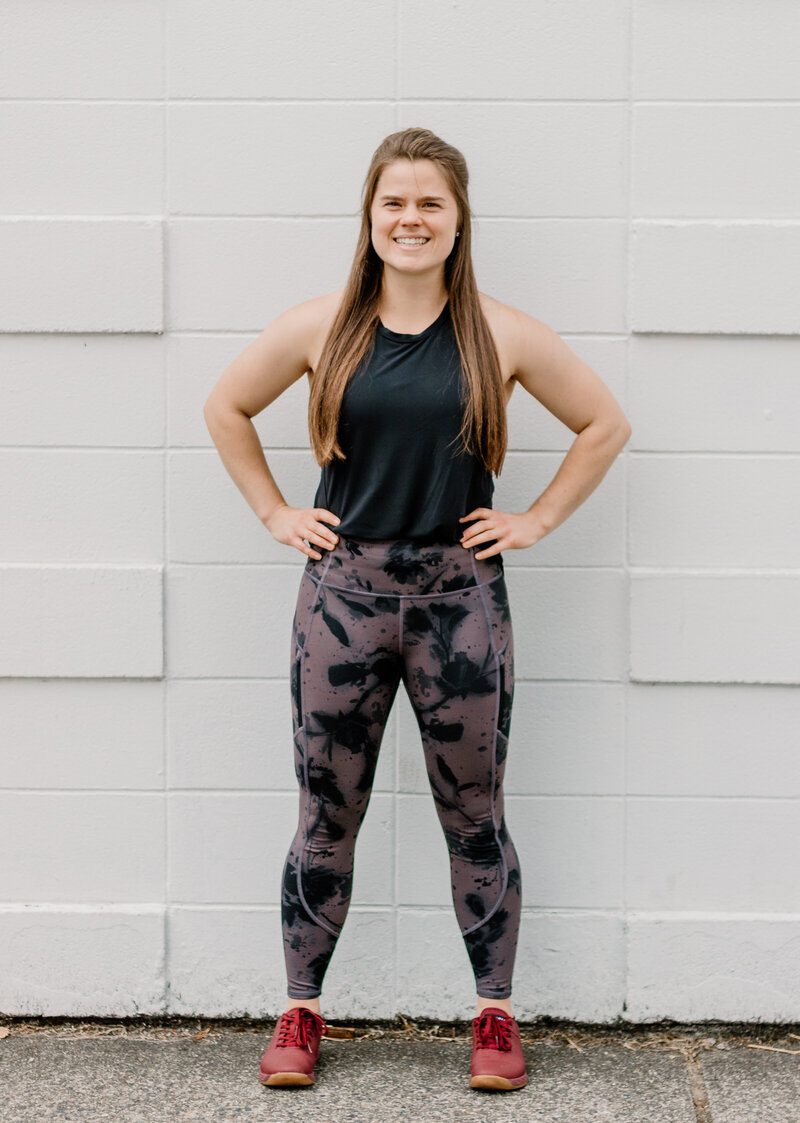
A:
(500, 1083)
(286, 1079)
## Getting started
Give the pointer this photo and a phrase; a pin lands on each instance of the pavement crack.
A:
(697, 1087)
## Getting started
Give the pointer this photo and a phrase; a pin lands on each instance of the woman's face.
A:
(414, 217)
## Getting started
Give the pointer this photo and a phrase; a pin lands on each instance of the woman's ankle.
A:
(309, 1003)
(499, 1003)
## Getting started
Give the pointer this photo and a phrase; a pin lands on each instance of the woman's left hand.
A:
(511, 531)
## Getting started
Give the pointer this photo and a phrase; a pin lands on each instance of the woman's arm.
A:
(569, 388)
(282, 354)
(545, 366)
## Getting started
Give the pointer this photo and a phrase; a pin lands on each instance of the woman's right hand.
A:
(291, 525)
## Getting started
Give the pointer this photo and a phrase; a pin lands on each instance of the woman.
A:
(410, 370)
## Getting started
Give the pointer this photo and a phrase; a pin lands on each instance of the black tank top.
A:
(402, 408)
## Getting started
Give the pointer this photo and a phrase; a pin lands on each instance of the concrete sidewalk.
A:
(130, 1072)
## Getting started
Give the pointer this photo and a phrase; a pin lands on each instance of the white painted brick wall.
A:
(184, 170)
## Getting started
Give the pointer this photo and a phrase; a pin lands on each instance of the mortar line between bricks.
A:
(166, 956)
(626, 547)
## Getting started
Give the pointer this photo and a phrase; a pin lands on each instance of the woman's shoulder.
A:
(505, 317)
(318, 312)
(308, 324)
(513, 330)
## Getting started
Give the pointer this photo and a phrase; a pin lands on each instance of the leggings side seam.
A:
(504, 863)
(317, 920)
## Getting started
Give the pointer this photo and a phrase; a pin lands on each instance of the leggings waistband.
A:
(396, 567)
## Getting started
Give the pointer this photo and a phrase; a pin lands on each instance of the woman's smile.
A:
(408, 242)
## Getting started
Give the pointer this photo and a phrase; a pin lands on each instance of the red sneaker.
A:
(497, 1060)
(294, 1048)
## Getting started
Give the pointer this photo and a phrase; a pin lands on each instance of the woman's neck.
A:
(410, 304)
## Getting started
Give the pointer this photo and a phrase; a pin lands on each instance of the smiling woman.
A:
(410, 371)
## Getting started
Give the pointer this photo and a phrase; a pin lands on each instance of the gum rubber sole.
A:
(286, 1079)
(496, 1082)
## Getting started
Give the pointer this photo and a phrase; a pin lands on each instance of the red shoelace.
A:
(493, 1032)
(296, 1026)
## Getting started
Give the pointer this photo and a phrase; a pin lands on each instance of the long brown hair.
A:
(484, 430)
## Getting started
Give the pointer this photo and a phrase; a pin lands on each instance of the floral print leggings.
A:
(370, 613)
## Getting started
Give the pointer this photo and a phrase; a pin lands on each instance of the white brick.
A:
(542, 50)
(360, 981)
(572, 274)
(231, 621)
(82, 734)
(717, 161)
(713, 854)
(434, 976)
(239, 735)
(240, 274)
(713, 511)
(566, 739)
(81, 506)
(228, 849)
(83, 847)
(92, 962)
(752, 57)
(225, 962)
(231, 848)
(715, 277)
(570, 137)
(98, 390)
(81, 622)
(229, 963)
(231, 735)
(310, 49)
(570, 965)
(108, 158)
(532, 427)
(714, 394)
(568, 623)
(693, 967)
(99, 275)
(232, 159)
(570, 851)
(592, 535)
(81, 50)
(713, 740)
(567, 965)
(211, 521)
(717, 627)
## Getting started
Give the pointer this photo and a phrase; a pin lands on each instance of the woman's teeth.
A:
(411, 241)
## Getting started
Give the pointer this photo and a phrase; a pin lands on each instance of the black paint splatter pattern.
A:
(369, 615)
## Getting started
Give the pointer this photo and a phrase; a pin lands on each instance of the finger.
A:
(476, 528)
(490, 552)
(321, 515)
(306, 549)
(322, 536)
(486, 534)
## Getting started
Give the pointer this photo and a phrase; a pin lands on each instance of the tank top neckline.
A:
(412, 337)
